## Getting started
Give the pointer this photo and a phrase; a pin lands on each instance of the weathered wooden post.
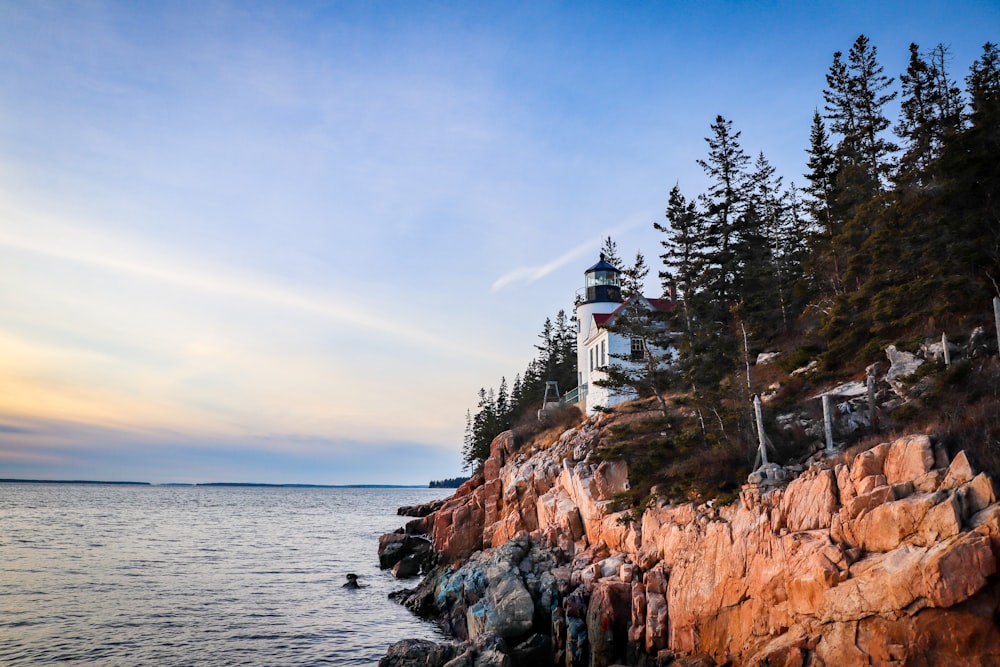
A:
(828, 423)
(996, 316)
(762, 439)
(947, 352)
(871, 397)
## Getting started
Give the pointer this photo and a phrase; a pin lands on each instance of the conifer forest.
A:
(894, 235)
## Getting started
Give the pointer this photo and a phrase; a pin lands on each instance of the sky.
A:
(288, 242)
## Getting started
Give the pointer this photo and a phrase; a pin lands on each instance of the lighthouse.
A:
(601, 296)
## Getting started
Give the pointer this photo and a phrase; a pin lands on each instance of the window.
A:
(604, 356)
(638, 348)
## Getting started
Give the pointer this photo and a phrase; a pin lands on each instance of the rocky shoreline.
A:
(886, 557)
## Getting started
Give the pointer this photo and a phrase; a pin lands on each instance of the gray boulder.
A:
(418, 653)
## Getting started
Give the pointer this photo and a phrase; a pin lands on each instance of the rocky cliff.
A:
(886, 557)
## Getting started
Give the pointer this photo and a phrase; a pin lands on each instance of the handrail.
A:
(574, 396)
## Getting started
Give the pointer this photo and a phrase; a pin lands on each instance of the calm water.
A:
(135, 575)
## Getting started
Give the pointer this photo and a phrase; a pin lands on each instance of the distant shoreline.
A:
(226, 484)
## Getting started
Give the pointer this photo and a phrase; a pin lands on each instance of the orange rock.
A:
(911, 578)
(867, 502)
(637, 626)
(868, 463)
(885, 526)
(959, 472)
(656, 622)
(908, 458)
(810, 502)
(978, 494)
(861, 563)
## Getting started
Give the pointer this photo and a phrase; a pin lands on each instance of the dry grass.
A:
(545, 431)
(674, 454)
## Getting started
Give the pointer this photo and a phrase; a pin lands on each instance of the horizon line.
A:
(244, 484)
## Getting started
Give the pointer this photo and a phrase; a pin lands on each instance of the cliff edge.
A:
(886, 557)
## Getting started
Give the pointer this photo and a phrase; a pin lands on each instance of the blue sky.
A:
(288, 242)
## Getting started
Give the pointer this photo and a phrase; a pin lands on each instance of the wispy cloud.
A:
(525, 275)
(33, 233)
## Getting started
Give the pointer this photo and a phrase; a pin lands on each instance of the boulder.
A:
(911, 578)
(608, 616)
(406, 568)
(959, 472)
(535, 650)
(902, 364)
(637, 624)
(610, 479)
(421, 510)
(908, 458)
(656, 623)
(391, 549)
(810, 501)
(418, 653)
(395, 548)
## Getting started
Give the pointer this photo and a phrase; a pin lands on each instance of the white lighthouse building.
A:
(596, 345)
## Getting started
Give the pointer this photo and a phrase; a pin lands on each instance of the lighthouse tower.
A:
(602, 295)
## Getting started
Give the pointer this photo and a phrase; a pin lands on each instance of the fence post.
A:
(996, 316)
(947, 352)
(828, 423)
(871, 398)
(760, 429)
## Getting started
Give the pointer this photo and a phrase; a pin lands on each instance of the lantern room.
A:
(603, 283)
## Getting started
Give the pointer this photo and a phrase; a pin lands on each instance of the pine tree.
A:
(634, 277)
(502, 407)
(468, 443)
(824, 263)
(547, 351)
(916, 124)
(983, 84)
(948, 96)
(931, 112)
(682, 246)
(515, 396)
(722, 205)
(610, 252)
(868, 86)
(767, 279)
(564, 343)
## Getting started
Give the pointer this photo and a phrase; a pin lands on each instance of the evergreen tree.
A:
(917, 121)
(468, 443)
(761, 251)
(825, 264)
(931, 112)
(722, 205)
(564, 342)
(548, 355)
(948, 97)
(634, 277)
(610, 252)
(983, 84)
(682, 246)
(868, 87)
(515, 399)
(502, 407)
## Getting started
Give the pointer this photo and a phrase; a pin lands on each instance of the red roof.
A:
(663, 305)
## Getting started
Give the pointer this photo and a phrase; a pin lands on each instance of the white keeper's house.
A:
(598, 304)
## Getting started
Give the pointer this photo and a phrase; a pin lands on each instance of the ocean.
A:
(163, 575)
